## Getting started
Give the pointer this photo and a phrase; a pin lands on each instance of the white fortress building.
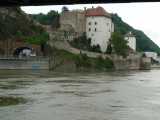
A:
(96, 22)
(99, 26)
(131, 40)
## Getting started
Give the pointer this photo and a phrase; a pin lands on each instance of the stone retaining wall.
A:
(67, 47)
(24, 65)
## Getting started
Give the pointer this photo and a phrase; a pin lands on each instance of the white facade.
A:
(131, 42)
(99, 29)
(151, 54)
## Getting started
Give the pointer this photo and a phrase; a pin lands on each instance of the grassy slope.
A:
(15, 21)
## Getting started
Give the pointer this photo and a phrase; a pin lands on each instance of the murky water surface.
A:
(84, 95)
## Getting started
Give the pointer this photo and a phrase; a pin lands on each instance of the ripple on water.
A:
(73, 81)
(8, 100)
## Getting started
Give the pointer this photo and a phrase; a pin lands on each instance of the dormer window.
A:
(89, 23)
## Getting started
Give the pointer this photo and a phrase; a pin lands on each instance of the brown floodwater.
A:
(80, 95)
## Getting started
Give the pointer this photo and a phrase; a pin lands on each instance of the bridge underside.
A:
(64, 2)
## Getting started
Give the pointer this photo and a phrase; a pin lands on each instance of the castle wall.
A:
(132, 62)
(72, 21)
(67, 47)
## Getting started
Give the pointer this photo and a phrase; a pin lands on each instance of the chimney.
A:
(92, 7)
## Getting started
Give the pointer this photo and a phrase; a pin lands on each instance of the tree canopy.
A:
(65, 9)
(51, 18)
(119, 44)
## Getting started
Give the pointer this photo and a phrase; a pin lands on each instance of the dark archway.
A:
(17, 51)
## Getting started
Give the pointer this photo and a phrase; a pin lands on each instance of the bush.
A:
(103, 63)
(82, 43)
(109, 49)
(16, 9)
(143, 55)
(37, 38)
(19, 33)
(96, 48)
(82, 60)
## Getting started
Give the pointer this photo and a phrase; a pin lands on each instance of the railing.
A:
(14, 57)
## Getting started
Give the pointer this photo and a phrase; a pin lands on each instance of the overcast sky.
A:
(141, 16)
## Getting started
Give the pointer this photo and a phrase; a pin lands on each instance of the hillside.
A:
(16, 25)
(13, 20)
(143, 42)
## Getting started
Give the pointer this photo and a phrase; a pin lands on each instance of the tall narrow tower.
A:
(99, 26)
(131, 40)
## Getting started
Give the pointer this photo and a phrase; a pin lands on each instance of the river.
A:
(81, 95)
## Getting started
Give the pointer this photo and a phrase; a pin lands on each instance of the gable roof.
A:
(129, 34)
(99, 11)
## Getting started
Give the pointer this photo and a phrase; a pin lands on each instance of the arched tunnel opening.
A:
(23, 51)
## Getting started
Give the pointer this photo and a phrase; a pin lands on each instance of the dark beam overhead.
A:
(4, 3)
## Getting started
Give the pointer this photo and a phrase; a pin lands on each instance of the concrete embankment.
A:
(155, 66)
(24, 64)
(145, 63)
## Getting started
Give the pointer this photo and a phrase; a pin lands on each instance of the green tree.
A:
(143, 55)
(96, 48)
(119, 44)
(65, 9)
(19, 33)
(109, 49)
(51, 18)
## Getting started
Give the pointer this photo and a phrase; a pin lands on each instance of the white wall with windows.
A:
(99, 29)
(131, 42)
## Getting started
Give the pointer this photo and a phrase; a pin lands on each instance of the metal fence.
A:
(13, 57)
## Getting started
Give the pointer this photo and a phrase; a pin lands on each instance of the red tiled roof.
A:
(99, 11)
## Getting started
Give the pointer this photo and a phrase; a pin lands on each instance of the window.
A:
(92, 17)
(109, 30)
(95, 29)
(95, 23)
(92, 34)
(107, 23)
(89, 29)
(89, 23)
